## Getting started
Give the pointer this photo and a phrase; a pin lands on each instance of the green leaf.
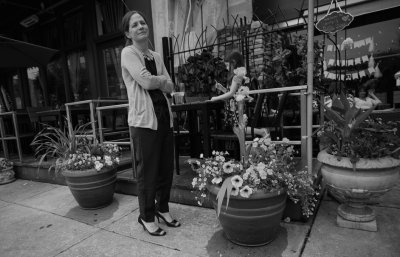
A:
(362, 117)
(344, 101)
(332, 115)
(337, 104)
(351, 114)
(226, 188)
(332, 136)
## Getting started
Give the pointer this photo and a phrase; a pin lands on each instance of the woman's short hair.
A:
(237, 56)
(125, 23)
(370, 84)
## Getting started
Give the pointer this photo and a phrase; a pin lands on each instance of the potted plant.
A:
(360, 160)
(200, 72)
(255, 190)
(7, 174)
(89, 168)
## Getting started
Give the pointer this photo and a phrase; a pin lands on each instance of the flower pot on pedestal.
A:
(252, 221)
(370, 179)
(92, 189)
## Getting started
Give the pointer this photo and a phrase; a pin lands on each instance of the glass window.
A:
(17, 93)
(115, 84)
(55, 84)
(35, 88)
(78, 74)
(74, 29)
(370, 51)
(109, 15)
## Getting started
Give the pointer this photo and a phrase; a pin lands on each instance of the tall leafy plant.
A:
(200, 73)
(56, 143)
(345, 120)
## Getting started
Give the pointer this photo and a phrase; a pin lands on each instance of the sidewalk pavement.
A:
(40, 219)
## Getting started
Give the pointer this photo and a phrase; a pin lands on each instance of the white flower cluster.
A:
(107, 155)
(269, 167)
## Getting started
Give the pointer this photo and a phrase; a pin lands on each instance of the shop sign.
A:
(334, 21)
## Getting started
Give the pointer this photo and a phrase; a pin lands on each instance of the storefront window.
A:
(109, 15)
(74, 29)
(35, 88)
(115, 84)
(370, 51)
(78, 74)
(55, 84)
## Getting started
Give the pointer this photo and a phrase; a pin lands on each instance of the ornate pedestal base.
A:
(356, 216)
(356, 212)
(367, 226)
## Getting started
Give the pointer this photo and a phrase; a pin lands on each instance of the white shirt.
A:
(367, 103)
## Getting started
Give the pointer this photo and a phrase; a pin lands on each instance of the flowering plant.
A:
(5, 163)
(268, 167)
(101, 155)
(74, 151)
(350, 132)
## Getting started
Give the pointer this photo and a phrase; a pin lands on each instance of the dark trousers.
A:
(154, 155)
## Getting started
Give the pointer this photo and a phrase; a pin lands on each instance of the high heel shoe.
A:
(173, 223)
(158, 232)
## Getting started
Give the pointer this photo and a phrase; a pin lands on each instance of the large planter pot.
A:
(92, 189)
(370, 179)
(252, 221)
(7, 175)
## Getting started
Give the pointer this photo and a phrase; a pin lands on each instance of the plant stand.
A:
(367, 226)
(371, 179)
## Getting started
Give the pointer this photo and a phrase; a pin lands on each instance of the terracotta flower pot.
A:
(92, 189)
(252, 221)
(372, 178)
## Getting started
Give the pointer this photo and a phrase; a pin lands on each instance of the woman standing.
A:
(150, 120)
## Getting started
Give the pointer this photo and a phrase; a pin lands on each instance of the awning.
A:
(15, 54)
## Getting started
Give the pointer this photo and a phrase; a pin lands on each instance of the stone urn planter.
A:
(92, 189)
(7, 175)
(252, 221)
(371, 179)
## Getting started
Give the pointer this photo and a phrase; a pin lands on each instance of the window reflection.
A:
(78, 75)
(55, 84)
(359, 54)
(115, 85)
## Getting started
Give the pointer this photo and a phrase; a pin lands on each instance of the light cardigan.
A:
(141, 111)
